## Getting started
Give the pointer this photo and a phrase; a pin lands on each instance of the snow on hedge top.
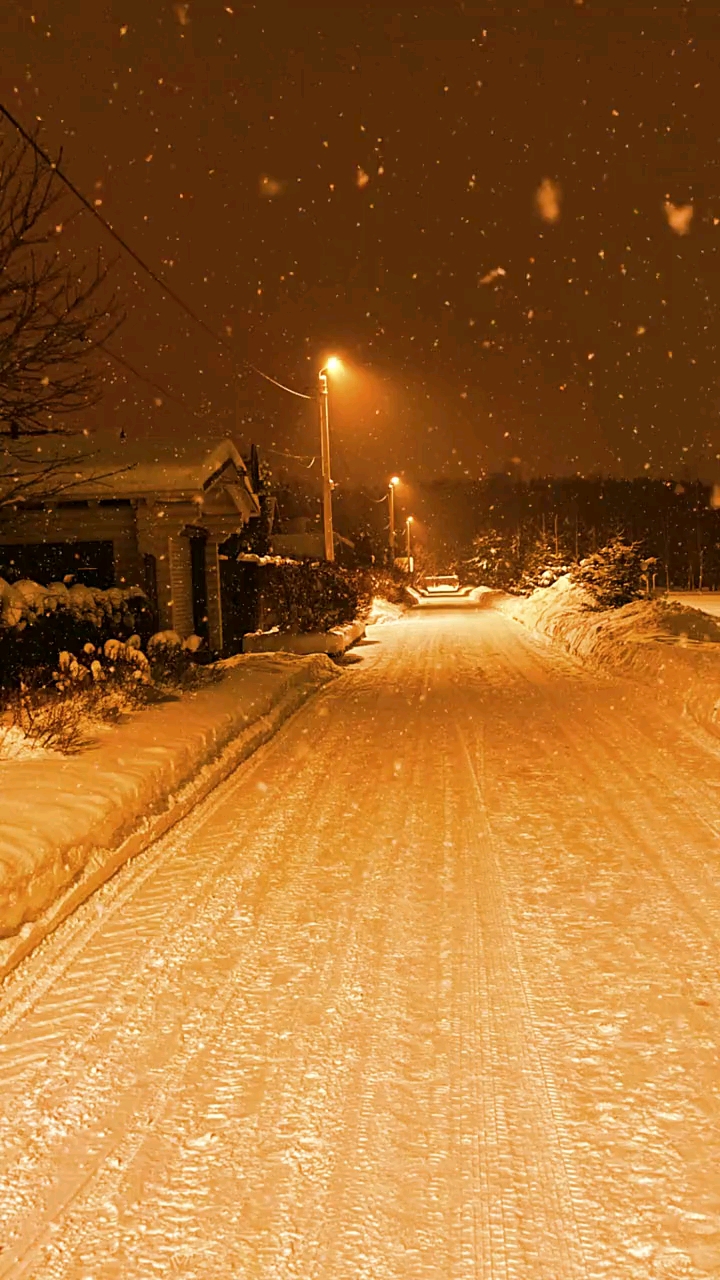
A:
(24, 601)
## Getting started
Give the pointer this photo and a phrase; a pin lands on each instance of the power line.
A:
(302, 394)
(170, 395)
(157, 386)
(299, 457)
(158, 280)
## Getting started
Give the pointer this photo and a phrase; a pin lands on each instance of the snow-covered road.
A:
(429, 988)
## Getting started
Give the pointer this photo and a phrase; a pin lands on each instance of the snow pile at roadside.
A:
(383, 611)
(660, 642)
(63, 818)
(485, 595)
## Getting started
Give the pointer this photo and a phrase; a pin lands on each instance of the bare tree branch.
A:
(53, 315)
(26, 478)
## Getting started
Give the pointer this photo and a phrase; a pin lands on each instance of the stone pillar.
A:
(181, 602)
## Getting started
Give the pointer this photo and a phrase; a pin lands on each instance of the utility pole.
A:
(391, 507)
(327, 484)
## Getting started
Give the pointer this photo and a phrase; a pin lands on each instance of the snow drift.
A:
(63, 818)
(660, 642)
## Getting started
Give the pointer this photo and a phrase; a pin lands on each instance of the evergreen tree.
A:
(546, 560)
(613, 574)
(495, 560)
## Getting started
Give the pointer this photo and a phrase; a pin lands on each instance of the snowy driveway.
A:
(429, 988)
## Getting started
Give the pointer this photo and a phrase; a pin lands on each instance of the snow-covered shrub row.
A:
(36, 622)
(59, 709)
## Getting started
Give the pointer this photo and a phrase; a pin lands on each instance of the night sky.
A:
(505, 218)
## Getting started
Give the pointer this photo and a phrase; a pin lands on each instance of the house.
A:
(128, 520)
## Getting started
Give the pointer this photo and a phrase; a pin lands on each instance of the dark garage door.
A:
(89, 562)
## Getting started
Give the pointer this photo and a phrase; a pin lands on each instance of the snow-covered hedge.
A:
(37, 623)
(296, 596)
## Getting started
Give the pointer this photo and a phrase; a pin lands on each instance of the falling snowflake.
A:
(492, 275)
(361, 178)
(679, 217)
(270, 186)
(547, 200)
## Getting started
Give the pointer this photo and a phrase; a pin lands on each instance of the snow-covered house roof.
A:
(172, 471)
(142, 470)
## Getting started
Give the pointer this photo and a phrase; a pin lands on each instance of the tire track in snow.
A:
(556, 1243)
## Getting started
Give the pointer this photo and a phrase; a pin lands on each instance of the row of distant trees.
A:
(512, 531)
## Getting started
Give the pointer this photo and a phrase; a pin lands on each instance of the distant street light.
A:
(394, 482)
(333, 365)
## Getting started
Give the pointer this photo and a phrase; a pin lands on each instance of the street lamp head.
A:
(410, 520)
(333, 365)
(394, 480)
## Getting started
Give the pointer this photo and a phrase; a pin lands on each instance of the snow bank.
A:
(486, 596)
(68, 823)
(660, 642)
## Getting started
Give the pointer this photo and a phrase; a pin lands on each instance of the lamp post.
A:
(332, 366)
(408, 527)
(394, 482)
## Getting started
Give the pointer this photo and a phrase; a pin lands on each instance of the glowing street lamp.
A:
(394, 482)
(333, 365)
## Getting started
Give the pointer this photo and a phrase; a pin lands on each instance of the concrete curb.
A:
(331, 642)
(105, 862)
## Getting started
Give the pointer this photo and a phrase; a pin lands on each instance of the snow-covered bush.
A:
(97, 684)
(168, 657)
(297, 596)
(372, 584)
(49, 719)
(178, 662)
(613, 576)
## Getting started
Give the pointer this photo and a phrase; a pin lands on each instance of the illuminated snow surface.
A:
(428, 988)
(709, 602)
